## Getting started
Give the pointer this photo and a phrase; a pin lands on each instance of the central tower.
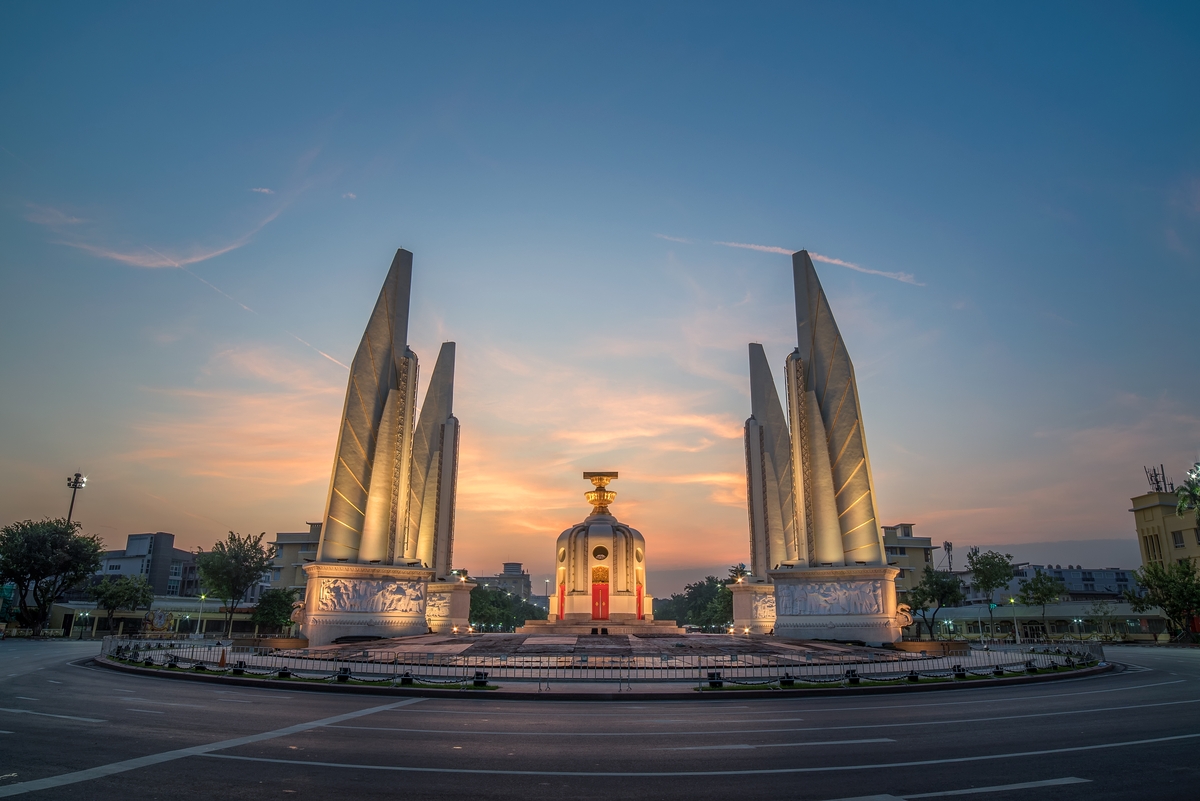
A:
(600, 574)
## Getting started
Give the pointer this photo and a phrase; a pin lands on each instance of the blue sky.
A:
(1031, 174)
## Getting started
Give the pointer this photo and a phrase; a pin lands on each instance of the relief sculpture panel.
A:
(763, 607)
(371, 595)
(830, 598)
(438, 605)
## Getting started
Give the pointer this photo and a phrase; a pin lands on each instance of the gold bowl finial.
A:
(600, 497)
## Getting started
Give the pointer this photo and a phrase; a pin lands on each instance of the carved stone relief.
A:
(438, 605)
(763, 607)
(832, 598)
(371, 595)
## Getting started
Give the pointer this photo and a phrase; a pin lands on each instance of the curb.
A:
(679, 695)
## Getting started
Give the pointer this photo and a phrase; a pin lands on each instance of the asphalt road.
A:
(79, 732)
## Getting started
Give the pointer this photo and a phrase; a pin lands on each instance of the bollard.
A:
(284, 673)
(914, 676)
(480, 679)
(406, 679)
(148, 662)
(997, 671)
(239, 668)
(959, 673)
(787, 680)
(852, 676)
(343, 675)
(199, 667)
(1030, 667)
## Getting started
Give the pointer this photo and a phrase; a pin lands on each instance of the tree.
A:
(127, 592)
(1040, 590)
(990, 571)
(1188, 495)
(1175, 589)
(738, 571)
(494, 609)
(937, 589)
(231, 568)
(1101, 616)
(691, 607)
(274, 609)
(718, 612)
(43, 560)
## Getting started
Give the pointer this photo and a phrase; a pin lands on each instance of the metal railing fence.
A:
(403, 667)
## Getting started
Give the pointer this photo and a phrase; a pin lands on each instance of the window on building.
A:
(276, 574)
(305, 547)
(1197, 535)
(1177, 538)
(928, 555)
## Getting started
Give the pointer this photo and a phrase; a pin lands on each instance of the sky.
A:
(199, 203)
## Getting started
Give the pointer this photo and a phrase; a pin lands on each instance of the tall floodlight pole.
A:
(75, 483)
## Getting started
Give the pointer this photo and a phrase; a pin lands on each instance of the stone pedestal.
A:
(449, 606)
(355, 599)
(753, 607)
(837, 603)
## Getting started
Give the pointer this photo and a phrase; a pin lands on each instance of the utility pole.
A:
(75, 483)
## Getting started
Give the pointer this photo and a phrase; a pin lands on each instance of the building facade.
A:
(1081, 584)
(154, 557)
(908, 552)
(514, 579)
(1163, 536)
(294, 550)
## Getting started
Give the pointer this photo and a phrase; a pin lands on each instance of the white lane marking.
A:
(686, 773)
(999, 788)
(147, 711)
(48, 715)
(196, 750)
(748, 747)
(2, 731)
(26, 698)
(942, 722)
(235, 700)
(52, 681)
(127, 698)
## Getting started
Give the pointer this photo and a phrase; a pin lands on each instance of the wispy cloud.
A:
(149, 257)
(349, 196)
(904, 278)
(45, 215)
(674, 239)
(760, 248)
(262, 190)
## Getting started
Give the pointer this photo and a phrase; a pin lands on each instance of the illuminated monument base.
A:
(356, 600)
(753, 607)
(838, 603)
(448, 606)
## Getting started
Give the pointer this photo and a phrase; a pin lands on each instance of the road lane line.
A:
(196, 750)
(701, 773)
(942, 722)
(147, 711)
(48, 715)
(748, 747)
(999, 788)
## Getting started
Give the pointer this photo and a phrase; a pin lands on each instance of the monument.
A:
(384, 556)
(818, 565)
(600, 575)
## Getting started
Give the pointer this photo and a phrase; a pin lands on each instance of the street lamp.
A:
(74, 483)
(200, 619)
(1079, 629)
